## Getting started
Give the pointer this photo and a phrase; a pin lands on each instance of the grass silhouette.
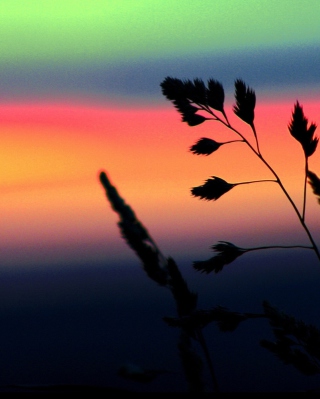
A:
(295, 342)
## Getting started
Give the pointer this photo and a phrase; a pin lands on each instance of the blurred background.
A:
(80, 93)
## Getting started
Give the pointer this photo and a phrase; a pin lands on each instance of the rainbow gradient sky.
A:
(79, 92)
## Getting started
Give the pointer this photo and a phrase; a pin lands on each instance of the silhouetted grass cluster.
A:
(199, 96)
(295, 342)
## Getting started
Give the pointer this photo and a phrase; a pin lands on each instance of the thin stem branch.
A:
(232, 141)
(226, 118)
(256, 181)
(276, 246)
(256, 137)
(229, 126)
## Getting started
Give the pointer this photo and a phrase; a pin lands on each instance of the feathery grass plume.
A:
(205, 146)
(296, 343)
(196, 91)
(227, 253)
(212, 189)
(245, 102)
(298, 127)
(175, 89)
(169, 276)
(182, 94)
(215, 95)
(186, 300)
(314, 182)
(188, 112)
(136, 235)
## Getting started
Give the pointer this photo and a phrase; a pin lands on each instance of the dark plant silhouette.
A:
(214, 188)
(295, 342)
(174, 89)
(166, 273)
(228, 252)
(299, 129)
(207, 146)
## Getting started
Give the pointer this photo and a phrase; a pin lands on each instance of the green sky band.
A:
(72, 31)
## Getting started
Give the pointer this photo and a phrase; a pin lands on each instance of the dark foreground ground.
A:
(71, 328)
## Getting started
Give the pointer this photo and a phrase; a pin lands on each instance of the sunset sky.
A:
(80, 93)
